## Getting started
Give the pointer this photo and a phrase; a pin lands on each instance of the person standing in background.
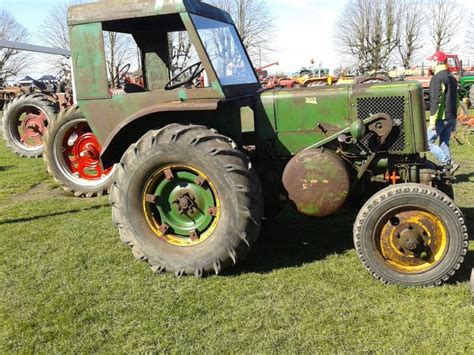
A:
(443, 110)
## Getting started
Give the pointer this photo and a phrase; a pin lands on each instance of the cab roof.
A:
(110, 10)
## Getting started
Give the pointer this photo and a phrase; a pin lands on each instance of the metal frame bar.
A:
(33, 48)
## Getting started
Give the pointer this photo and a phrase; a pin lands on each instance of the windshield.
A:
(225, 51)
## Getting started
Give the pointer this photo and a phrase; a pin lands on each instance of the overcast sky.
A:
(304, 30)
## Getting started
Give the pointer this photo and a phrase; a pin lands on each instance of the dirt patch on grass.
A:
(39, 192)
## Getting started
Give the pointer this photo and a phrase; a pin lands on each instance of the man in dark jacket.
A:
(443, 110)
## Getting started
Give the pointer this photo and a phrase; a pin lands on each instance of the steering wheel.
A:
(120, 74)
(370, 79)
(194, 69)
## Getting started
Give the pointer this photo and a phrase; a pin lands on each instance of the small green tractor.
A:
(199, 156)
(464, 76)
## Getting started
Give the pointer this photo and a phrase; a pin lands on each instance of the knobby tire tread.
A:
(204, 137)
(395, 191)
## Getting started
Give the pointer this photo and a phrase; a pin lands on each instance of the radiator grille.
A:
(394, 106)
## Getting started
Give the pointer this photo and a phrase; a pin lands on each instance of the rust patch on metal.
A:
(168, 174)
(382, 126)
(164, 228)
(193, 235)
(151, 198)
(411, 239)
(121, 9)
(200, 181)
(212, 211)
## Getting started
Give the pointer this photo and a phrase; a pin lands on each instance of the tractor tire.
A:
(72, 156)
(25, 122)
(447, 189)
(471, 96)
(186, 201)
(411, 234)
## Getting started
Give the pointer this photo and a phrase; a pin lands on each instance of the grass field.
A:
(69, 285)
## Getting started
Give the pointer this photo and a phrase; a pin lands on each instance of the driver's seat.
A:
(132, 88)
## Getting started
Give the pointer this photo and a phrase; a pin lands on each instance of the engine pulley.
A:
(317, 182)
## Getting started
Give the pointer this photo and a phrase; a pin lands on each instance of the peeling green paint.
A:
(87, 49)
(216, 86)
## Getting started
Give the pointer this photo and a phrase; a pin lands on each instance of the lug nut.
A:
(193, 235)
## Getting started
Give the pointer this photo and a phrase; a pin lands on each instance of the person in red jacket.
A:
(443, 110)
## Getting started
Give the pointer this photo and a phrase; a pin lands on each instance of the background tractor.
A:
(31, 109)
(8, 93)
(198, 163)
(26, 117)
(464, 76)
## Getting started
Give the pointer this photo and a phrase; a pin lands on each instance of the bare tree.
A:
(181, 50)
(444, 19)
(469, 42)
(369, 31)
(12, 62)
(119, 51)
(412, 26)
(254, 24)
(54, 32)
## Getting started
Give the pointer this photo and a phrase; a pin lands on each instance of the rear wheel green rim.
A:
(181, 205)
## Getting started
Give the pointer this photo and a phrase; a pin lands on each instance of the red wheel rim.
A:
(30, 126)
(81, 153)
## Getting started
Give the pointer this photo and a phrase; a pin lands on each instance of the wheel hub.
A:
(410, 239)
(413, 241)
(32, 129)
(81, 153)
(181, 205)
(90, 151)
(186, 203)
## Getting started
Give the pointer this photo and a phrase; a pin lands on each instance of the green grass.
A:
(69, 285)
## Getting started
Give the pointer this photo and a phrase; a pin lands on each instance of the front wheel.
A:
(72, 155)
(411, 234)
(186, 200)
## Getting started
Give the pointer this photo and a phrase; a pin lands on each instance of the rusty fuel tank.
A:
(317, 182)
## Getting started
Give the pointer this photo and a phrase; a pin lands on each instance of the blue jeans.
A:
(442, 130)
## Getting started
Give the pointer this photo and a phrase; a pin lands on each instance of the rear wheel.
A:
(186, 200)
(72, 155)
(411, 234)
(25, 121)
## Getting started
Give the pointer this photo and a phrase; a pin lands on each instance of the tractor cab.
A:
(188, 52)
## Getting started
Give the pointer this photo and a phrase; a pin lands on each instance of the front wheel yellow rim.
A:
(411, 240)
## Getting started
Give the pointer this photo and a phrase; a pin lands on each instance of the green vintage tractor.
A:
(203, 153)
(466, 88)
